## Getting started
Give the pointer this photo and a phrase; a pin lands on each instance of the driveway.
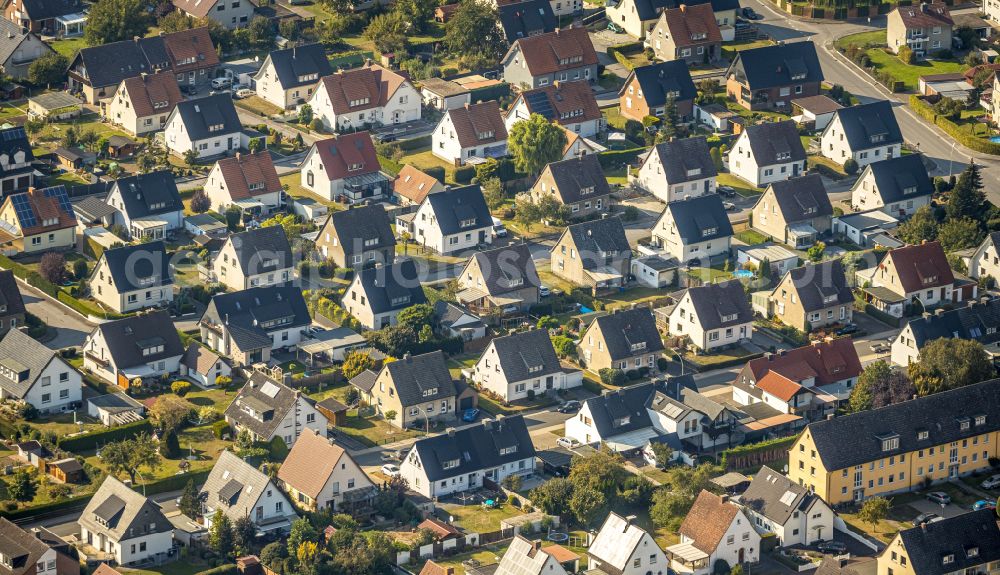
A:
(71, 328)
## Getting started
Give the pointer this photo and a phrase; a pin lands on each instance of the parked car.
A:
(220, 83)
(984, 504)
(499, 231)
(730, 206)
(571, 406)
(727, 191)
(245, 93)
(615, 28)
(751, 14)
(832, 547)
(510, 309)
(939, 497)
(567, 442)
(470, 415)
(924, 518)
(880, 347)
(544, 291)
(847, 329)
(390, 470)
(991, 482)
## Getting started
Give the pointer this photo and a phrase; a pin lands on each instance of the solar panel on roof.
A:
(59, 193)
(16, 133)
(22, 208)
(538, 102)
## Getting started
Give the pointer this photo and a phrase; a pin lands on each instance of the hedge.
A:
(35, 279)
(623, 60)
(626, 48)
(616, 157)
(926, 111)
(227, 569)
(415, 143)
(92, 439)
(350, 59)
(465, 174)
(494, 92)
(751, 449)
(389, 165)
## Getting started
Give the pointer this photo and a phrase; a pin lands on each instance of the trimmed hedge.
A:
(228, 569)
(465, 174)
(90, 440)
(37, 511)
(625, 48)
(414, 143)
(36, 280)
(494, 92)
(615, 157)
(922, 108)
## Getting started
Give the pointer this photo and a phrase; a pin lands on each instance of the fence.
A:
(756, 454)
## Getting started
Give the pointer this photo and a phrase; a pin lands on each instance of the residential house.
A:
(898, 186)
(770, 77)
(978, 320)
(637, 17)
(471, 131)
(231, 14)
(816, 111)
(35, 551)
(795, 212)
(813, 296)
(360, 236)
(254, 258)
(677, 169)
(37, 375)
(419, 389)
(453, 221)
(647, 90)
(16, 171)
(38, 220)
(594, 254)
(830, 367)
(563, 55)
(526, 18)
(204, 366)
(794, 514)
(288, 77)
(19, 48)
(11, 303)
(697, 421)
(578, 183)
(377, 294)
(267, 408)
(246, 326)
(411, 186)
(625, 339)
(248, 182)
(113, 409)
(364, 97)
(966, 542)
(345, 168)
(319, 474)
(900, 447)
(133, 277)
(695, 229)
(868, 133)
(443, 95)
(142, 103)
(991, 9)
(712, 316)
(147, 205)
(768, 152)
(780, 259)
(617, 419)
(985, 261)
(498, 278)
(715, 529)
(912, 275)
(238, 489)
(526, 557)
(655, 271)
(624, 548)
(189, 55)
(925, 29)
(209, 125)
(521, 365)
(572, 105)
(41, 17)
(461, 459)
(868, 229)
(144, 346)
(456, 321)
(125, 526)
(687, 33)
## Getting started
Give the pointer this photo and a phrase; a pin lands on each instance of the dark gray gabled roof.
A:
(24, 548)
(597, 237)
(209, 116)
(700, 218)
(262, 250)
(12, 141)
(109, 64)
(149, 194)
(300, 65)
(715, 302)
(457, 205)
(659, 80)
(268, 399)
(856, 439)
(127, 337)
(11, 301)
(802, 198)
(126, 514)
(625, 329)
(507, 269)
(523, 19)
(358, 224)
(487, 445)
(686, 159)
(869, 125)
(575, 175)
(969, 540)
(778, 65)
(901, 178)
(234, 486)
(776, 497)
(421, 379)
(26, 358)
(139, 266)
(46, 9)
(650, 9)
(448, 313)
(775, 143)
(252, 314)
(976, 320)
(622, 410)
(526, 355)
(821, 285)
(393, 287)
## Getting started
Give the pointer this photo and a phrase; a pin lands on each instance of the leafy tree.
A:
(170, 447)
(472, 30)
(180, 387)
(49, 69)
(815, 253)
(220, 534)
(389, 32)
(200, 202)
(289, 29)
(716, 154)
(526, 211)
(23, 486)
(564, 346)
(603, 472)
(415, 316)
(418, 12)
(671, 119)
(301, 531)
(191, 158)
(878, 386)
(922, 225)
(950, 363)
(53, 267)
(534, 143)
(233, 216)
(244, 535)
(552, 497)
(492, 192)
(261, 32)
(128, 455)
(277, 449)
(669, 508)
(175, 21)
(34, 125)
(391, 415)
(305, 114)
(170, 411)
(587, 505)
(874, 510)
(851, 166)
(611, 376)
(273, 555)
(190, 503)
(662, 453)
(967, 199)
(959, 233)
(356, 362)
(115, 20)
(80, 270)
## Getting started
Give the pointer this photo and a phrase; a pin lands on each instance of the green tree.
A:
(233, 217)
(200, 203)
(391, 415)
(851, 166)
(261, 32)
(170, 447)
(356, 362)
(671, 119)
(418, 12)
(49, 69)
(602, 472)
(305, 114)
(190, 503)
(878, 386)
(389, 32)
(301, 531)
(170, 411)
(553, 496)
(23, 486)
(534, 143)
(950, 363)
(526, 211)
(921, 226)
(191, 158)
(587, 505)
(873, 511)
(716, 154)
(662, 453)
(493, 192)
(959, 233)
(175, 21)
(967, 199)
(220, 534)
(669, 508)
(115, 20)
(128, 455)
(564, 346)
(244, 536)
(472, 30)
(415, 316)
(815, 252)
(80, 270)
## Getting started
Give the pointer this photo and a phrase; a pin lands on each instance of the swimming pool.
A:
(743, 273)
(995, 139)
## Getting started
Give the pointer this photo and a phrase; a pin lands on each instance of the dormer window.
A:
(400, 300)
(708, 231)
(730, 317)
(534, 369)
(308, 77)
(783, 156)
(876, 138)
(694, 172)
(699, 36)
(359, 102)
(623, 420)
(450, 464)
(257, 186)
(980, 420)
(508, 450)
(467, 223)
(930, 279)
(50, 221)
(922, 435)
(6, 560)
(216, 127)
(513, 282)
(152, 350)
(910, 190)
(798, 76)
(355, 167)
(972, 552)
(486, 135)
(371, 242)
(948, 559)
(430, 392)
(638, 346)
(890, 442)
(964, 424)
(587, 190)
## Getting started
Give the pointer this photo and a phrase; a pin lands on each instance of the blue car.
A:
(984, 504)
(470, 415)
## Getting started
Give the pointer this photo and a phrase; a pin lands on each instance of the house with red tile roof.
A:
(687, 33)
(345, 168)
(142, 103)
(247, 181)
(829, 367)
(472, 131)
(38, 220)
(924, 28)
(572, 105)
(715, 529)
(412, 185)
(560, 56)
(230, 13)
(363, 97)
(914, 277)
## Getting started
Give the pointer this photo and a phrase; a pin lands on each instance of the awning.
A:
(883, 294)
(886, 241)
(505, 300)
(687, 552)
(248, 204)
(71, 19)
(469, 295)
(802, 231)
(139, 371)
(765, 423)
(604, 274)
(149, 223)
(632, 440)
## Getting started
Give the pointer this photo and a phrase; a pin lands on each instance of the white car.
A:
(991, 482)
(567, 442)
(245, 93)
(220, 83)
(390, 470)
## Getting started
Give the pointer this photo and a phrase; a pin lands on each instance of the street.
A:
(71, 328)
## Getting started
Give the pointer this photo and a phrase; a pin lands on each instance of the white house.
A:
(695, 229)
(239, 489)
(133, 277)
(319, 474)
(204, 366)
(288, 77)
(142, 346)
(363, 97)
(471, 131)
(715, 529)
(796, 515)
(246, 181)
(37, 375)
(142, 103)
(572, 105)
(768, 152)
(247, 326)
(526, 557)
(267, 409)
(147, 206)
(985, 261)
(208, 125)
(122, 523)
(254, 258)
(345, 168)
(377, 294)
(617, 420)
(523, 365)
(625, 548)
(867, 133)
(979, 321)
(677, 170)
(452, 221)
(712, 316)
(898, 187)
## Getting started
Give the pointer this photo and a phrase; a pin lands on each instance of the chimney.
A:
(984, 300)
(939, 311)
(487, 424)
(449, 571)
(451, 432)
(725, 496)
(923, 241)
(924, 7)
(407, 358)
(683, 7)
(536, 545)
(829, 416)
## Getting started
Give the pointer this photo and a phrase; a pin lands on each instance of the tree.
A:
(874, 510)
(80, 270)
(815, 253)
(493, 192)
(305, 114)
(959, 233)
(950, 363)
(662, 453)
(391, 415)
(170, 447)
(301, 531)
(175, 21)
(552, 497)
(526, 211)
(273, 555)
(671, 119)
(389, 32)
(220, 534)
(603, 472)
(233, 217)
(261, 32)
(244, 535)
(669, 508)
(716, 155)
(473, 31)
(116, 20)
(200, 202)
(49, 69)
(534, 143)
(611, 376)
(170, 411)
(967, 199)
(851, 166)
(356, 362)
(191, 158)
(415, 316)
(564, 346)
(23, 486)
(128, 455)
(417, 12)
(180, 387)
(52, 267)
(921, 226)
(587, 505)
(190, 503)
(878, 386)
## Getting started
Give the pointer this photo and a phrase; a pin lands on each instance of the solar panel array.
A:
(22, 208)
(16, 133)
(538, 103)
(59, 193)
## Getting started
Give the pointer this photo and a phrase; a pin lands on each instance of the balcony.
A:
(215, 328)
(96, 359)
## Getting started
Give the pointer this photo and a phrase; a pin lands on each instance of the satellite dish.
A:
(451, 519)
(785, 469)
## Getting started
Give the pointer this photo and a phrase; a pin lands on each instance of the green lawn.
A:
(68, 47)
(259, 106)
(9, 111)
(614, 118)
(823, 160)
(478, 519)
(375, 430)
(742, 187)
(188, 564)
(751, 237)
(423, 158)
(617, 176)
(729, 49)
(865, 39)
(909, 73)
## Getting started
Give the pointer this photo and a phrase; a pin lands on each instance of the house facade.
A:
(143, 346)
(417, 389)
(695, 229)
(866, 133)
(813, 296)
(767, 153)
(626, 339)
(360, 236)
(898, 186)
(122, 523)
(318, 474)
(770, 77)
(456, 220)
(258, 257)
(39, 220)
(142, 103)
(289, 76)
(795, 212)
(712, 316)
(648, 89)
(363, 97)
(131, 278)
(268, 409)
(209, 125)
(31, 372)
(246, 326)
(687, 33)
(345, 168)
(924, 28)
(147, 206)
(522, 365)
(470, 131)
(564, 55)
(594, 254)
(497, 278)
(677, 170)
(248, 182)
(578, 183)
(377, 294)
(795, 515)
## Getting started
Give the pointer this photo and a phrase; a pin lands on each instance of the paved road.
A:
(71, 328)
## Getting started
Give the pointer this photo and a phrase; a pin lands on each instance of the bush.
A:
(221, 428)
(905, 54)
(662, 363)
(611, 376)
(851, 166)
(180, 387)
(922, 108)
(436, 172)
(465, 174)
(92, 439)
(632, 374)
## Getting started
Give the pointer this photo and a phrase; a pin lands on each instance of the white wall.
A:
(60, 383)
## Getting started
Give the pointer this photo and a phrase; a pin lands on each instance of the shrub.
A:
(180, 387)
(662, 363)
(221, 428)
(632, 374)
(612, 376)
(905, 54)
(436, 172)
(465, 174)
(851, 166)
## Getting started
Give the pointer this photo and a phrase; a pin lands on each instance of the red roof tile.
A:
(560, 50)
(348, 155)
(925, 15)
(571, 102)
(368, 87)
(826, 361)
(691, 25)
(249, 175)
(152, 93)
(478, 124)
(922, 266)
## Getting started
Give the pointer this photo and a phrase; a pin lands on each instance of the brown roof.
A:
(249, 175)
(196, 8)
(190, 49)
(554, 51)
(818, 104)
(441, 529)
(310, 463)
(560, 553)
(691, 25)
(779, 386)
(45, 209)
(432, 568)
(348, 155)
(478, 124)
(152, 93)
(925, 15)
(708, 520)
(105, 569)
(570, 102)
(922, 266)
(413, 184)
(200, 358)
(368, 87)
(826, 361)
